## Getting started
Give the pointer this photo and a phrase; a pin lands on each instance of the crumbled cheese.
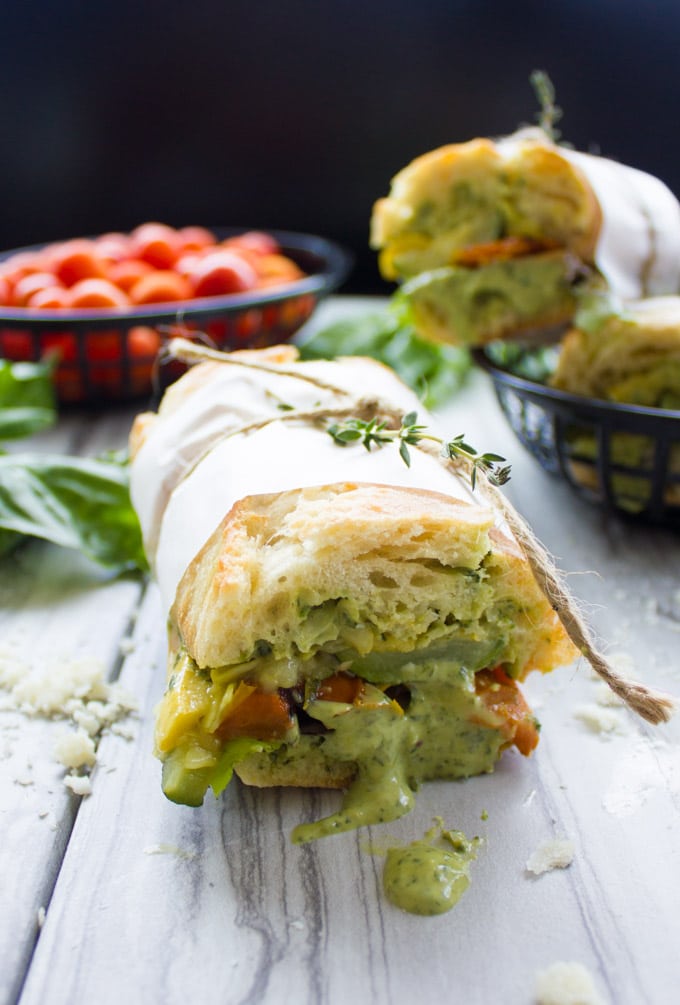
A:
(80, 784)
(75, 750)
(606, 697)
(556, 854)
(566, 984)
(41, 916)
(605, 721)
(74, 690)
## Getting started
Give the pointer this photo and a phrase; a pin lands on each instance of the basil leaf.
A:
(27, 399)
(434, 371)
(74, 502)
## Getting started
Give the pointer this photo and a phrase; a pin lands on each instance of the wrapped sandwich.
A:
(491, 239)
(337, 618)
(628, 354)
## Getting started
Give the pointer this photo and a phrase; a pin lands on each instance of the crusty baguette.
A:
(281, 589)
(492, 239)
(540, 193)
(390, 550)
(631, 354)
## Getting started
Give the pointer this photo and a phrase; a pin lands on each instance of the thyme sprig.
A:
(550, 113)
(376, 433)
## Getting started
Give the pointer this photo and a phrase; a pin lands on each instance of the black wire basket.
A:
(112, 354)
(623, 457)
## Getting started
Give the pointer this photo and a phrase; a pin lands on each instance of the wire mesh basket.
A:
(111, 354)
(623, 457)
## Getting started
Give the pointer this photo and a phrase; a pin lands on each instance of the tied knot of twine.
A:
(650, 704)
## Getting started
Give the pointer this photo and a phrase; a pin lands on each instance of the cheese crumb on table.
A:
(556, 854)
(604, 721)
(81, 785)
(566, 984)
(71, 690)
(75, 750)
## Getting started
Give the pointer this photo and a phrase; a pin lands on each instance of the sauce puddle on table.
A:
(430, 875)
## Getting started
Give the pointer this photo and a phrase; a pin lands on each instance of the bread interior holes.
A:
(379, 579)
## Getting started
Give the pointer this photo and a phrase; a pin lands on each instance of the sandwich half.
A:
(337, 619)
(491, 239)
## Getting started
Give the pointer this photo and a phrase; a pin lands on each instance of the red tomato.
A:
(253, 240)
(51, 297)
(195, 238)
(21, 264)
(77, 259)
(102, 345)
(30, 284)
(186, 264)
(113, 247)
(97, 293)
(277, 269)
(222, 272)
(16, 344)
(63, 344)
(125, 274)
(163, 286)
(143, 341)
(5, 291)
(155, 243)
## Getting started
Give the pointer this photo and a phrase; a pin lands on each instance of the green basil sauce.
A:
(429, 876)
(394, 751)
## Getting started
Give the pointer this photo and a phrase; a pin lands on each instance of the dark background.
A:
(295, 115)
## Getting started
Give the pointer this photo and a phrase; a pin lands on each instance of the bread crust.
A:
(390, 550)
(540, 192)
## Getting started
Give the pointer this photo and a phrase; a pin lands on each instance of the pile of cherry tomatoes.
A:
(154, 264)
(103, 348)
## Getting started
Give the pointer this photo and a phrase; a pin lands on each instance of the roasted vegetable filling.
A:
(382, 722)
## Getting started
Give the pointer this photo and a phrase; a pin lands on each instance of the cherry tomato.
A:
(273, 270)
(155, 243)
(50, 297)
(23, 263)
(125, 274)
(102, 344)
(5, 291)
(78, 259)
(32, 283)
(195, 238)
(253, 240)
(113, 247)
(97, 293)
(220, 273)
(143, 341)
(16, 344)
(161, 287)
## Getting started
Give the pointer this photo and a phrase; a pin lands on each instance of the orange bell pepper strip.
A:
(263, 715)
(502, 696)
(500, 251)
(341, 687)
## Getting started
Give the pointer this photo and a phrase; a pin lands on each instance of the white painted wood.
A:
(159, 903)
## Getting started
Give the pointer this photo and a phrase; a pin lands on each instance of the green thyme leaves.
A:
(375, 432)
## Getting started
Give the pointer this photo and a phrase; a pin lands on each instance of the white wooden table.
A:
(123, 897)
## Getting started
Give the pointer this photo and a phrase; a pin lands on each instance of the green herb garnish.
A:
(549, 113)
(375, 433)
